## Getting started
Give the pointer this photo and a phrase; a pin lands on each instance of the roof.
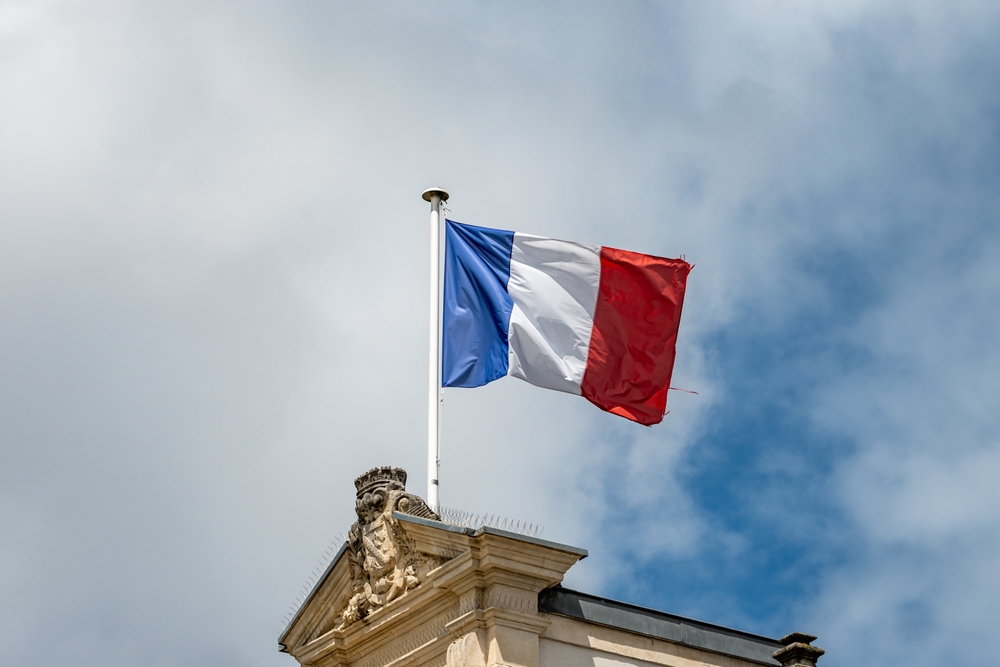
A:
(595, 609)
(441, 525)
(658, 624)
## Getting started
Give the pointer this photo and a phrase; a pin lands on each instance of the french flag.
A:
(588, 320)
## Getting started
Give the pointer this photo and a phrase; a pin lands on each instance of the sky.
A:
(213, 261)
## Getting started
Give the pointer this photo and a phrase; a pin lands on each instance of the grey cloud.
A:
(212, 266)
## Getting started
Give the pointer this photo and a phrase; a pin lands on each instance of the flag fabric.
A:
(584, 319)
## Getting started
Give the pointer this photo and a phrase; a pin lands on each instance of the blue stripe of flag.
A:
(476, 304)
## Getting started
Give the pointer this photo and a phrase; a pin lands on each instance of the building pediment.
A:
(405, 580)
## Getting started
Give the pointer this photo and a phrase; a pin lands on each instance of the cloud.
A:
(212, 267)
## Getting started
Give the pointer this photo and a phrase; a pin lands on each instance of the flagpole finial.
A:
(430, 192)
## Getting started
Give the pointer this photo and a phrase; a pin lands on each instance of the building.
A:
(408, 590)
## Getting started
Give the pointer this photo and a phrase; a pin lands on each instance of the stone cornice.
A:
(487, 578)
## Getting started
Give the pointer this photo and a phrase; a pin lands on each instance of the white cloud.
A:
(212, 276)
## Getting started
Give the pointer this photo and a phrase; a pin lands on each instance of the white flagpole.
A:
(435, 396)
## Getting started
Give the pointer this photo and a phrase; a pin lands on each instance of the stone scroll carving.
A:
(383, 562)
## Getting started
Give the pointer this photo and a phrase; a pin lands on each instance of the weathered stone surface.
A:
(797, 651)
(384, 564)
(411, 591)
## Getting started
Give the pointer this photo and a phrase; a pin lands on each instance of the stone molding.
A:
(474, 604)
(798, 651)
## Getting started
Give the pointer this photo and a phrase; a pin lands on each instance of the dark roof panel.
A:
(652, 623)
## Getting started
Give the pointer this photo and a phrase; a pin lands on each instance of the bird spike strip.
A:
(324, 563)
(450, 515)
(475, 521)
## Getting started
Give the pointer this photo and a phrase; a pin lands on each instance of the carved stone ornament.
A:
(384, 564)
(797, 650)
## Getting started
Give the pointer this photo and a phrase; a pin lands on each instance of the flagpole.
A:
(434, 398)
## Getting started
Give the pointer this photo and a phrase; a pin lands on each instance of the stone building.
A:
(409, 590)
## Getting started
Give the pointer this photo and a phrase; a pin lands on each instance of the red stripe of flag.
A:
(633, 343)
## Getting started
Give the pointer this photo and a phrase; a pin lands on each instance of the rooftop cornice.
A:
(492, 574)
